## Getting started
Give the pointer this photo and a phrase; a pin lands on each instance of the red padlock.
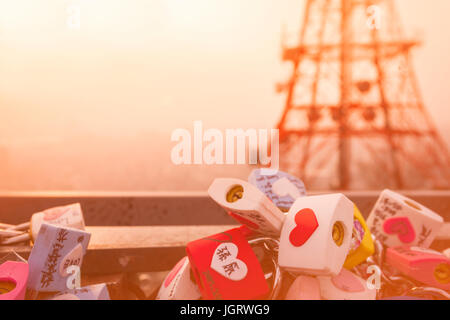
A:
(225, 267)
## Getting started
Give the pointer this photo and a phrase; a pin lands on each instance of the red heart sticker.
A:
(306, 222)
(400, 226)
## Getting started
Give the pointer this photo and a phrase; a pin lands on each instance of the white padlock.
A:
(316, 235)
(304, 288)
(345, 286)
(69, 216)
(396, 220)
(92, 292)
(178, 285)
(55, 250)
(282, 188)
(248, 205)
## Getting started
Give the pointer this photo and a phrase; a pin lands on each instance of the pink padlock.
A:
(423, 265)
(346, 286)
(13, 280)
(304, 288)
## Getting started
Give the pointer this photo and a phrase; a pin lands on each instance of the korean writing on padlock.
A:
(225, 267)
(396, 220)
(55, 249)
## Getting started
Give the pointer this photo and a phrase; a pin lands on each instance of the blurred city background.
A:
(93, 107)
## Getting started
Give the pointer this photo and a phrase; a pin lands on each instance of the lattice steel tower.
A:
(354, 117)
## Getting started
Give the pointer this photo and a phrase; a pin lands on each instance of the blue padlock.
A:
(282, 188)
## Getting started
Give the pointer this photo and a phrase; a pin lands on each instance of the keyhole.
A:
(338, 233)
(442, 273)
(6, 286)
(413, 205)
(236, 193)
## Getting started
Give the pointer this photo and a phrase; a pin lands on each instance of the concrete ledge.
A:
(166, 208)
(155, 248)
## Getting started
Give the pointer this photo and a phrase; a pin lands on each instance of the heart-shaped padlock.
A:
(282, 188)
(346, 286)
(13, 280)
(225, 267)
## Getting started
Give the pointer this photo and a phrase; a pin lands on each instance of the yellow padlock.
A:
(361, 246)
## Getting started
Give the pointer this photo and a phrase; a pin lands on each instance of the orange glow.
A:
(136, 70)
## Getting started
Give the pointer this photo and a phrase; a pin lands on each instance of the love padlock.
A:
(56, 251)
(70, 216)
(282, 188)
(361, 245)
(316, 235)
(13, 280)
(92, 292)
(345, 286)
(424, 265)
(248, 205)
(225, 267)
(304, 288)
(179, 285)
(396, 220)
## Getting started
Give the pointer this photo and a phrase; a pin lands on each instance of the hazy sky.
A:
(141, 65)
